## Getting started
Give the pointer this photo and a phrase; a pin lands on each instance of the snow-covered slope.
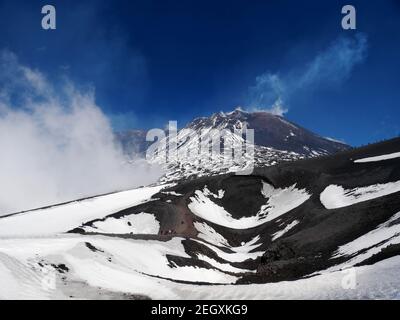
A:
(61, 218)
(319, 228)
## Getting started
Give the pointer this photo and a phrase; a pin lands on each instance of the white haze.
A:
(55, 143)
(273, 92)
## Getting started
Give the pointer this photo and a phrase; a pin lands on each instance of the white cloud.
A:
(55, 143)
(330, 67)
(277, 108)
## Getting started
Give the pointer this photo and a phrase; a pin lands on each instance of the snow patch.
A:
(335, 196)
(172, 193)
(141, 223)
(210, 235)
(207, 192)
(379, 158)
(280, 233)
(279, 202)
(237, 254)
(335, 140)
(226, 267)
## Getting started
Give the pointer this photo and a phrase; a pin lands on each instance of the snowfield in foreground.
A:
(42, 262)
(289, 232)
(113, 267)
(112, 264)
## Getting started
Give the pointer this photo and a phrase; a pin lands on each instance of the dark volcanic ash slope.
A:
(291, 220)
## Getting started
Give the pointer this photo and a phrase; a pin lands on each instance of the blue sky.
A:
(154, 61)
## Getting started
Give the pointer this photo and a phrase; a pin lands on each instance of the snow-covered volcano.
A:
(275, 140)
(271, 131)
(318, 228)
